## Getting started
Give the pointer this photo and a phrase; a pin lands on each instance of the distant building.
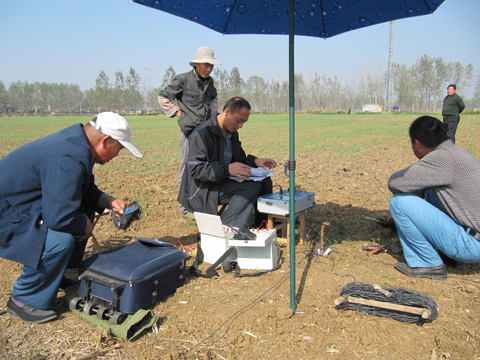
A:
(372, 108)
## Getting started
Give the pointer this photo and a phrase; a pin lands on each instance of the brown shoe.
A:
(434, 273)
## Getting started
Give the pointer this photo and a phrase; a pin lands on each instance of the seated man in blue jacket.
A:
(48, 198)
(215, 153)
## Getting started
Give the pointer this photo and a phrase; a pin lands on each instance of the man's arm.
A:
(62, 182)
(434, 169)
(169, 94)
(199, 162)
(168, 107)
(214, 106)
(63, 195)
(461, 104)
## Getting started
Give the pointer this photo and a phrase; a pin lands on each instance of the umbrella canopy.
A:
(317, 18)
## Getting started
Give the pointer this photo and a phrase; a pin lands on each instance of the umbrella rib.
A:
(323, 20)
(429, 9)
(229, 16)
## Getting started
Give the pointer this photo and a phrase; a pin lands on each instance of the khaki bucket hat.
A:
(204, 55)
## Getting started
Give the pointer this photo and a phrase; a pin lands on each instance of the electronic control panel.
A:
(279, 203)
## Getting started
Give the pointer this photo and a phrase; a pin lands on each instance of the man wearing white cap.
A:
(197, 101)
(48, 198)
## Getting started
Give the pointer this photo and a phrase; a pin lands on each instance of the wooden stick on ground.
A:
(322, 244)
(424, 313)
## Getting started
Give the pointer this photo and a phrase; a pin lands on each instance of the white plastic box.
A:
(260, 254)
(213, 237)
(263, 253)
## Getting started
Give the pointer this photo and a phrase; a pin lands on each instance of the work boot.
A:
(28, 314)
(434, 273)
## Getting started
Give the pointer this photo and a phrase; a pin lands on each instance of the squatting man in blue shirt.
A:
(436, 203)
(48, 199)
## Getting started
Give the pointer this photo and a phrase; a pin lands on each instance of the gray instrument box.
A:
(279, 203)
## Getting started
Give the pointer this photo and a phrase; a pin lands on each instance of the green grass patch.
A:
(338, 136)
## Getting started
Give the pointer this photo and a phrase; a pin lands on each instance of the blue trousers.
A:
(39, 287)
(424, 229)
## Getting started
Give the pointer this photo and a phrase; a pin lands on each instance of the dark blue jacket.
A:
(49, 179)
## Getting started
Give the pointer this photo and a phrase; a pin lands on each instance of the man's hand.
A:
(388, 216)
(266, 163)
(239, 170)
(178, 114)
(117, 205)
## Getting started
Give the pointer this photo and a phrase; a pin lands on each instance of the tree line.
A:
(421, 86)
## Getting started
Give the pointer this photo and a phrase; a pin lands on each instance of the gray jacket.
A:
(453, 173)
(194, 95)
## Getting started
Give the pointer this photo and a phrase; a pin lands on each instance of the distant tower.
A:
(389, 98)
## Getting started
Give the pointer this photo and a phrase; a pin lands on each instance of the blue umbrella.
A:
(317, 18)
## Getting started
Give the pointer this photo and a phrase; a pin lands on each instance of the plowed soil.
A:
(251, 317)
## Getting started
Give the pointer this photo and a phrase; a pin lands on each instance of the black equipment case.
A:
(133, 276)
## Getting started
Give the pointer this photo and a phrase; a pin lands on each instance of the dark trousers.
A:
(451, 123)
(39, 287)
(241, 198)
(79, 249)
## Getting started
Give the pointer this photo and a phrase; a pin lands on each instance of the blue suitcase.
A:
(129, 278)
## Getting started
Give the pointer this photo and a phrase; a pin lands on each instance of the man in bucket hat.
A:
(48, 199)
(197, 101)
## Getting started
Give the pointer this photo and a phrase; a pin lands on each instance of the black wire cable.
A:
(401, 296)
(241, 310)
(395, 295)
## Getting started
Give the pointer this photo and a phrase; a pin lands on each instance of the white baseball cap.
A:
(117, 127)
(204, 55)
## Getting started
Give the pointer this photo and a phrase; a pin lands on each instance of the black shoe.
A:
(29, 314)
(434, 273)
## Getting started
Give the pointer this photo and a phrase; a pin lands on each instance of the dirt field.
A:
(250, 318)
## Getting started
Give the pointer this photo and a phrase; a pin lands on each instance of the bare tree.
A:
(134, 97)
(168, 77)
(476, 94)
(425, 75)
(441, 75)
(149, 100)
(103, 91)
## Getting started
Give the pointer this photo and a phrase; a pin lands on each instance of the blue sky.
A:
(71, 41)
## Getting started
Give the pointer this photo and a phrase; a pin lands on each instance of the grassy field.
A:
(266, 135)
(339, 138)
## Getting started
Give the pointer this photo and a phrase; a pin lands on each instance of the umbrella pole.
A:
(291, 162)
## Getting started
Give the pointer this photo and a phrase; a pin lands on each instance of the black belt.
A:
(474, 233)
